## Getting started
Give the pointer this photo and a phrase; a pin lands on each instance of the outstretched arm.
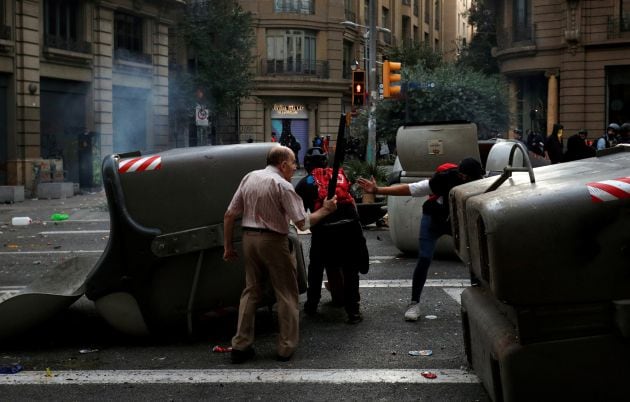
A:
(369, 186)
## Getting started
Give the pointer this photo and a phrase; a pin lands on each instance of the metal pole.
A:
(370, 155)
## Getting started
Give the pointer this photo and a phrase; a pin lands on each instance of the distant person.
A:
(337, 241)
(577, 148)
(273, 137)
(624, 134)
(435, 220)
(553, 144)
(609, 139)
(266, 201)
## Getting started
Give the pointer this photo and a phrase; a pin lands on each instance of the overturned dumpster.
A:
(421, 149)
(548, 249)
(163, 264)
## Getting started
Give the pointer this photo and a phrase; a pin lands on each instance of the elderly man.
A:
(267, 201)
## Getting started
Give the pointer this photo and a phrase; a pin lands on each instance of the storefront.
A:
(291, 117)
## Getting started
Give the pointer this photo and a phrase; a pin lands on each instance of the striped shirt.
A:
(266, 200)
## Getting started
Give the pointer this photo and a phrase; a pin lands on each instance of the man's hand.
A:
(229, 254)
(369, 186)
(331, 204)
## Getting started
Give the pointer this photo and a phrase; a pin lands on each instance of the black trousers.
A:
(340, 249)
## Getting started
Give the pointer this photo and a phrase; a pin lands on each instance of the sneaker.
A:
(413, 311)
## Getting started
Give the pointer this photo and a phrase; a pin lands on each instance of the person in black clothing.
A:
(553, 144)
(577, 148)
(435, 215)
(337, 243)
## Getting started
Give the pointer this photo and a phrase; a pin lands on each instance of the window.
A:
(438, 15)
(366, 12)
(348, 60)
(350, 15)
(624, 15)
(294, 6)
(427, 11)
(291, 51)
(61, 25)
(387, 37)
(406, 28)
(129, 38)
(415, 7)
(5, 30)
(521, 20)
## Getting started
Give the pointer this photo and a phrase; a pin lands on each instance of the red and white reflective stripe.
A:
(140, 164)
(609, 190)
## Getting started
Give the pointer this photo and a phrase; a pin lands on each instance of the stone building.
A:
(78, 80)
(304, 57)
(567, 61)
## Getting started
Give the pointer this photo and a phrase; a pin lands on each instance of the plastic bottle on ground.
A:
(21, 221)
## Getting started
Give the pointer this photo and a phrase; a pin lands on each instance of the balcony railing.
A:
(292, 6)
(129, 55)
(317, 69)
(516, 36)
(618, 27)
(73, 45)
(5, 32)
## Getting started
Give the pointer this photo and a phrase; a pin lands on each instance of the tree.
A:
(220, 38)
(478, 53)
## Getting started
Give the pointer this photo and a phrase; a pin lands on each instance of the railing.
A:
(292, 6)
(318, 69)
(618, 27)
(522, 35)
(5, 32)
(59, 42)
(129, 55)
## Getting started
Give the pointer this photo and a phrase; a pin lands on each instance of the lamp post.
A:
(370, 40)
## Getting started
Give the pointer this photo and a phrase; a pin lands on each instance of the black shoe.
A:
(284, 358)
(354, 318)
(310, 309)
(241, 356)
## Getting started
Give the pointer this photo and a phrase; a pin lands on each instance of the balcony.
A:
(312, 68)
(618, 27)
(517, 37)
(64, 43)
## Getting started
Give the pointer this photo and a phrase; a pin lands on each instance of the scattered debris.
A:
(11, 369)
(428, 374)
(222, 349)
(431, 317)
(426, 352)
(84, 351)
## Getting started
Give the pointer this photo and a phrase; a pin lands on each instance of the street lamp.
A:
(371, 77)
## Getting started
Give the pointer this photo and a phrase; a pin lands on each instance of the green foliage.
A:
(416, 54)
(457, 94)
(219, 34)
(356, 168)
(478, 54)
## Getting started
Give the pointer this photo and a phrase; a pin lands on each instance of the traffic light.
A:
(358, 88)
(391, 74)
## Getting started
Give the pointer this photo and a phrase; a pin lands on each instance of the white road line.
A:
(65, 232)
(274, 376)
(455, 293)
(406, 283)
(51, 252)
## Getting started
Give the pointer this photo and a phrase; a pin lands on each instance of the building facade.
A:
(305, 54)
(79, 80)
(567, 62)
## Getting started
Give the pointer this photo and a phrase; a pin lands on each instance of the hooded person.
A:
(435, 220)
(338, 244)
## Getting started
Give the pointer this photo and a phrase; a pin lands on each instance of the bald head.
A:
(277, 155)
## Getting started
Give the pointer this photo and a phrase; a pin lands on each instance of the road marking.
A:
(406, 283)
(78, 221)
(273, 376)
(51, 252)
(65, 232)
(455, 293)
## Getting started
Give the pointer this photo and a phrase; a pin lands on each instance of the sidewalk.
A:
(87, 206)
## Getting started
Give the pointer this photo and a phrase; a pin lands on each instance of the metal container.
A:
(163, 265)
